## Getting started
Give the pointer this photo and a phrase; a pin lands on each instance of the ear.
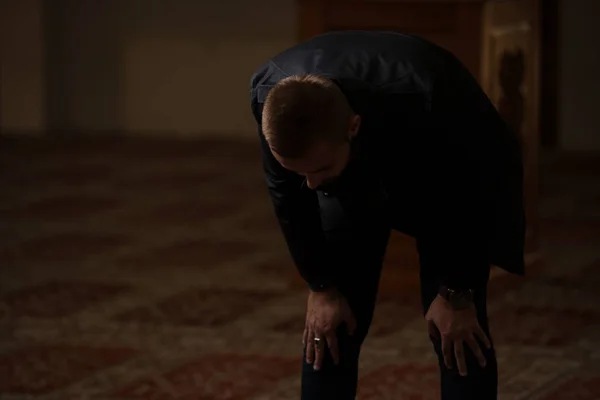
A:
(354, 126)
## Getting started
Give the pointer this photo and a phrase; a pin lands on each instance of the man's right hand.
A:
(325, 312)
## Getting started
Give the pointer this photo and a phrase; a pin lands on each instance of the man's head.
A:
(308, 124)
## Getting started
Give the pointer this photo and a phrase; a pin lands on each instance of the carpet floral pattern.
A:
(153, 269)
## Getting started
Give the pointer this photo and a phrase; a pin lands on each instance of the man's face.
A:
(324, 162)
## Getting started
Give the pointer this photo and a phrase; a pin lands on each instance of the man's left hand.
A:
(456, 328)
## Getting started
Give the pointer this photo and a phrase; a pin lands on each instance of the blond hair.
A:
(302, 109)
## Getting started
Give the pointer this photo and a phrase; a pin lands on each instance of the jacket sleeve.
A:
(297, 210)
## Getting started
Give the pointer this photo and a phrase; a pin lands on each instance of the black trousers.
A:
(362, 250)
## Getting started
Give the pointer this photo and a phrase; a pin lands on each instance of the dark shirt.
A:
(432, 152)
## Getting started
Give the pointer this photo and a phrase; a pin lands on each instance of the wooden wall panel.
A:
(453, 25)
(391, 16)
(511, 78)
(311, 18)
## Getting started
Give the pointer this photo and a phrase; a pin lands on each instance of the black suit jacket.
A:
(430, 140)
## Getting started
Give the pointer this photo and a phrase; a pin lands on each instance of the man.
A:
(364, 132)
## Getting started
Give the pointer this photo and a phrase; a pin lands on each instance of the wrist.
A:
(328, 294)
(457, 299)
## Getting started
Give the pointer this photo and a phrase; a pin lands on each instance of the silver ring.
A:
(317, 342)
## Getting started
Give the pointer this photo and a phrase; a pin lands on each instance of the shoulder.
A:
(259, 76)
(263, 79)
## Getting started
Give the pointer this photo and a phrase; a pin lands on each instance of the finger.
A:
(319, 353)
(483, 337)
(476, 349)
(459, 353)
(310, 349)
(332, 344)
(447, 352)
(304, 336)
(433, 330)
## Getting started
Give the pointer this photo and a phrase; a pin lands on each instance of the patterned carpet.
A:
(152, 269)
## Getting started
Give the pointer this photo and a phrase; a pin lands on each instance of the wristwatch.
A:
(320, 287)
(458, 299)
